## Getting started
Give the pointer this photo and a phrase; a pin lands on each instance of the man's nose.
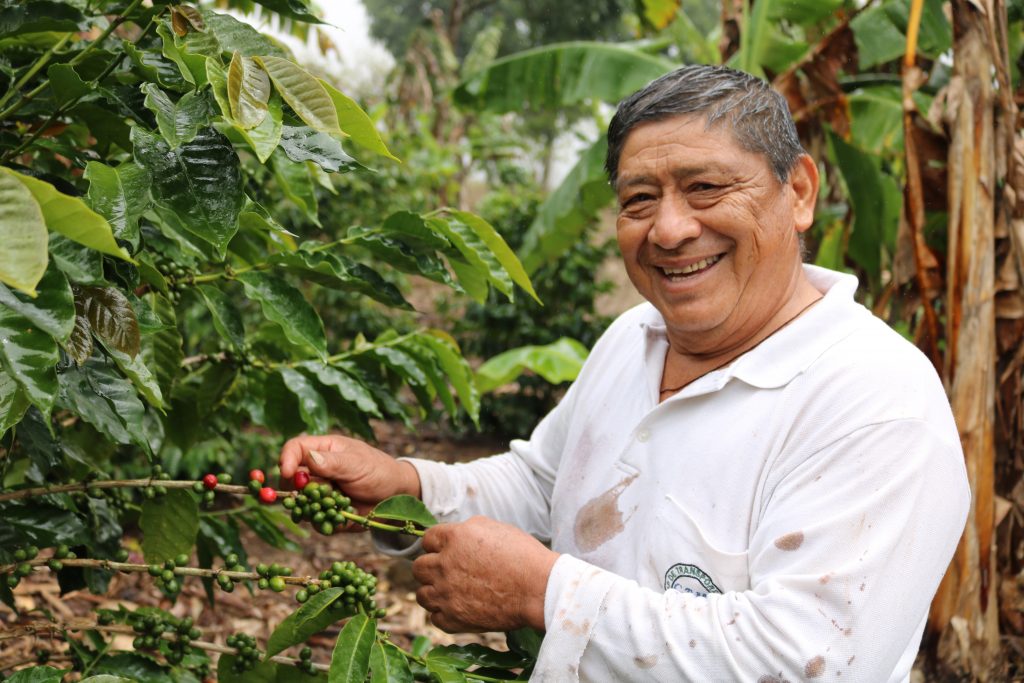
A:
(675, 222)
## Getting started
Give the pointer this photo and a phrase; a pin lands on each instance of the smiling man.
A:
(752, 479)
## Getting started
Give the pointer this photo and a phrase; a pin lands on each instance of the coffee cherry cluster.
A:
(271, 576)
(321, 505)
(231, 564)
(164, 574)
(207, 485)
(178, 278)
(155, 490)
(150, 628)
(248, 654)
(22, 557)
(358, 587)
(306, 661)
(266, 494)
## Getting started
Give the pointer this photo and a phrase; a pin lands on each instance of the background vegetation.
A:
(229, 251)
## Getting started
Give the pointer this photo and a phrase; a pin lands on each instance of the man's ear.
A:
(803, 180)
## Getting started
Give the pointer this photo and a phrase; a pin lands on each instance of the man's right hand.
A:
(363, 473)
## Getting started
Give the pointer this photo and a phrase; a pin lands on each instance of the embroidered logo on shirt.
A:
(689, 578)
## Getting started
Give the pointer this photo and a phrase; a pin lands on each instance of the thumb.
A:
(327, 465)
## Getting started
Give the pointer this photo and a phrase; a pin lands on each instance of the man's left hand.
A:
(482, 575)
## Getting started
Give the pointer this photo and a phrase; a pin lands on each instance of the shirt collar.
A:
(784, 355)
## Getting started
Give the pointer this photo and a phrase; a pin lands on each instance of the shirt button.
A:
(643, 435)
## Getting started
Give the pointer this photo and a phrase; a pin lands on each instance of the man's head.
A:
(714, 191)
(756, 115)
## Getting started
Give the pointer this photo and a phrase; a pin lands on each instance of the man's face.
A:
(708, 234)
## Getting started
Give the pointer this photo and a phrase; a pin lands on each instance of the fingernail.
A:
(316, 458)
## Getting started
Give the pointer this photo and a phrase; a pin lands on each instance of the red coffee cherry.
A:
(301, 479)
(268, 495)
(210, 481)
(257, 475)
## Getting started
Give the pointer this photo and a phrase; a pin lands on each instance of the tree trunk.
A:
(966, 609)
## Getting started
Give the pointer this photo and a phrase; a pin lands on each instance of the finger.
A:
(447, 623)
(433, 539)
(295, 449)
(424, 568)
(426, 596)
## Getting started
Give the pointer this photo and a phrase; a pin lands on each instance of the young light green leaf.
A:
(248, 91)
(29, 355)
(110, 316)
(286, 306)
(312, 406)
(169, 526)
(265, 137)
(351, 659)
(71, 217)
(355, 123)
(404, 508)
(506, 257)
(120, 194)
(200, 182)
(303, 93)
(180, 121)
(53, 309)
(558, 362)
(388, 664)
(23, 234)
(316, 614)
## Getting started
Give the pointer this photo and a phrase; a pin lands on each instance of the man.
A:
(752, 479)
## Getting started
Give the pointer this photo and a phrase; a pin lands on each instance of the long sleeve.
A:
(843, 563)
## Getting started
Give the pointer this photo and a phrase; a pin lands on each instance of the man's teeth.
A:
(693, 267)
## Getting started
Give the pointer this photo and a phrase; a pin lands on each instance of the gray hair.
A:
(758, 116)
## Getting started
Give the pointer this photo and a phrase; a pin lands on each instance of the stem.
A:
(92, 625)
(129, 567)
(120, 484)
(39, 64)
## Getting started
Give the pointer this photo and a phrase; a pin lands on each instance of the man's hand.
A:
(363, 473)
(482, 575)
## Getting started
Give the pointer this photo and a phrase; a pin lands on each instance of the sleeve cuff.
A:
(572, 605)
(440, 487)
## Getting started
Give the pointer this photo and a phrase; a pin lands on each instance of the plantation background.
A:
(216, 237)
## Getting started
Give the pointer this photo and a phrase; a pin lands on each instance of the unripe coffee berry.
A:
(268, 495)
(301, 479)
(277, 584)
(210, 481)
(257, 475)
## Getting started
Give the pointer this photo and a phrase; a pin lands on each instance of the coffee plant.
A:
(163, 257)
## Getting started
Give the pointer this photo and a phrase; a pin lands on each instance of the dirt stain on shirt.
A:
(645, 662)
(790, 541)
(601, 520)
(814, 667)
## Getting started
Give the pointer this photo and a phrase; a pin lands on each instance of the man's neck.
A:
(683, 366)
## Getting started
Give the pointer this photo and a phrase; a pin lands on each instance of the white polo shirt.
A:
(786, 517)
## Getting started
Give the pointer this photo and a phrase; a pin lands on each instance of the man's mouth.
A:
(692, 269)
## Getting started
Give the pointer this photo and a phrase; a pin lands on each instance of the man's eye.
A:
(636, 199)
(704, 187)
